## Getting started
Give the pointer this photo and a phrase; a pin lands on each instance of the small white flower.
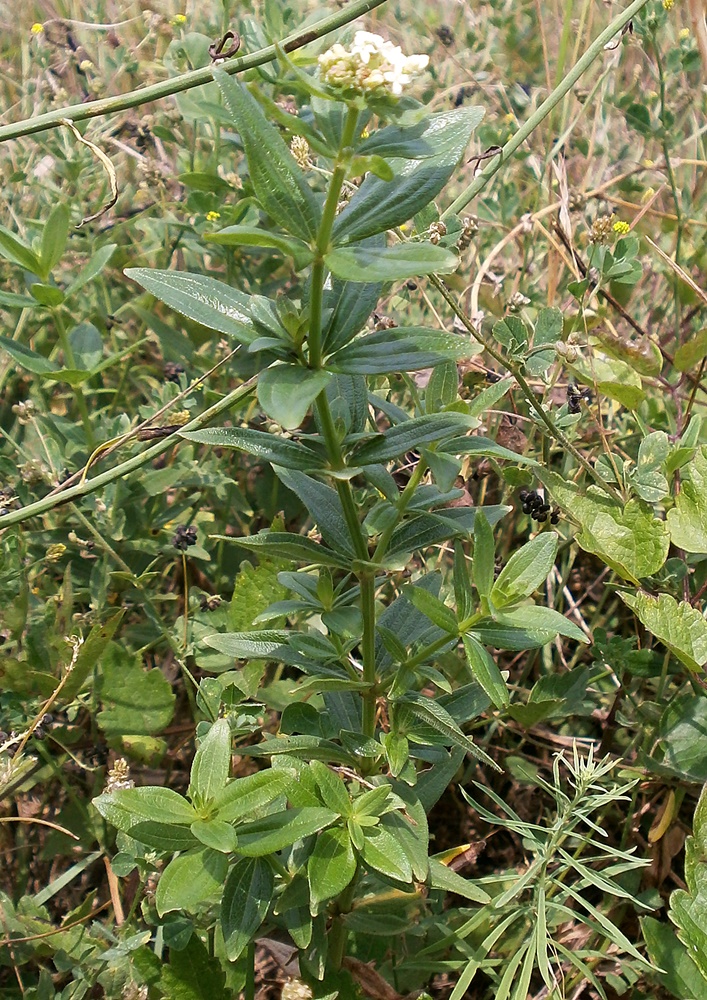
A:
(370, 65)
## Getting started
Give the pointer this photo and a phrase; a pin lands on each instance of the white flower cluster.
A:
(371, 64)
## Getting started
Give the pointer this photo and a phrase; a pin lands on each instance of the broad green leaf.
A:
(442, 877)
(212, 763)
(246, 796)
(525, 570)
(410, 831)
(205, 300)
(381, 205)
(630, 539)
(285, 545)
(189, 879)
(248, 645)
(46, 295)
(402, 349)
(148, 802)
(135, 701)
(486, 672)
(246, 898)
(86, 345)
(278, 182)
(382, 852)
(282, 829)
(690, 354)
(679, 626)
(680, 975)
(410, 434)
(54, 236)
(688, 518)
(395, 263)
(331, 788)
(12, 248)
(91, 269)
(331, 866)
(536, 618)
(255, 236)
(420, 141)
(351, 303)
(548, 330)
(324, 508)
(286, 392)
(216, 834)
(192, 974)
(27, 358)
(266, 447)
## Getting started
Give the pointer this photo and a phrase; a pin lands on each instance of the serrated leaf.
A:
(525, 570)
(247, 895)
(189, 879)
(286, 392)
(205, 300)
(402, 349)
(266, 447)
(679, 626)
(135, 701)
(630, 539)
(688, 518)
(395, 263)
(277, 180)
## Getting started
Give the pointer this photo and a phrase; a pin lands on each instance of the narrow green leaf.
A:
(442, 877)
(324, 507)
(248, 645)
(255, 236)
(278, 182)
(402, 349)
(246, 898)
(189, 879)
(484, 563)
(409, 434)
(536, 618)
(486, 672)
(434, 609)
(91, 269)
(14, 249)
(247, 796)
(435, 715)
(13, 301)
(395, 263)
(27, 358)
(285, 545)
(282, 829)
(205, 300)
(266, 447)
(286, 392)
(54, 236)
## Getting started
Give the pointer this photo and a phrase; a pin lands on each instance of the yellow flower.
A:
(684, 34)
(179, 19)
(668, 4)
(621, 228)
(212, 216)
(36, 28)
(85, 64)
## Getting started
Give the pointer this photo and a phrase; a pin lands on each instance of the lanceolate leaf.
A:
(525, 570)
(278, 181)
(27, 358)
(212, 762)
(410, 434)
(246, 897)
(267, 447)
(233, 236)
(486, 672)
(380, 205)
(331, 866)
(205, 300)
(431, 712)
(248, 645)
(282, 829)
(679, 626)
(324, 507)
(403, 260)
(285, 545)
(430, 137)
(401, 349)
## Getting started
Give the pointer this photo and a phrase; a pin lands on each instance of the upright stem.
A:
(77, 390)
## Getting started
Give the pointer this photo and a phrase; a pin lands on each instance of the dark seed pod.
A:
(541, 516)
(411, 286)
(493, 377)
(527, 508)
(523, 494)
(39, 733)
(536, 503)
(554, 518)
(544, 509)
(47, 719)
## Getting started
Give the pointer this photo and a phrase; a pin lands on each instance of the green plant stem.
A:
(580, 67)
(187, 81)
(526, 390)
(338, 933)
(98, 482)
(249, 986)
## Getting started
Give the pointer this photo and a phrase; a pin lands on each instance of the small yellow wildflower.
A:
(55, 552)
(212, 216)
(621, 228)
(179, 19)
(85, 65)
(365, 134)
(684, 34)
(36, 28)
(668, 4)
